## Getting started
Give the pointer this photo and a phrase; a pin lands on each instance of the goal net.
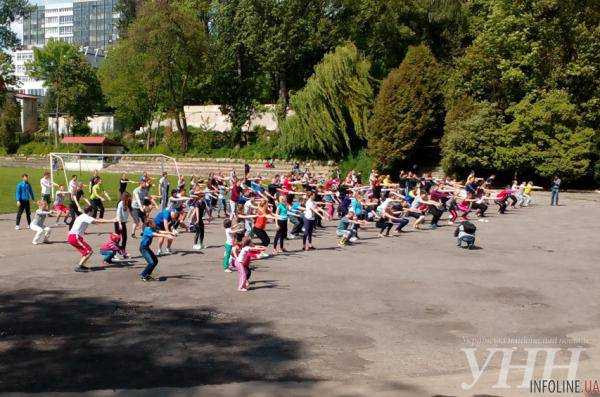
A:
(64, 165)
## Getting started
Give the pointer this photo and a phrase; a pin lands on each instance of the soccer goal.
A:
(86, 163)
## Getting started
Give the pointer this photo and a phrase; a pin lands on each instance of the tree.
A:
(169, 50)
(124, 87)
(524, 54)
(472, 133)
(10, 123)
(545, 137)
(236, 80)
(73, 87)
(284, 37)
(10, 11)
(7, 77)
(331, 112)
(409, 111)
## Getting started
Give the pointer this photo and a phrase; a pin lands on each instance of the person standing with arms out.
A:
(46, 187)
(23, 194)
(97, 197)
(123, 184)
(123, 211)
(554, 189)
(163, 190)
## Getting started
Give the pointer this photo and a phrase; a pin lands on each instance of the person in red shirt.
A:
(501, 199)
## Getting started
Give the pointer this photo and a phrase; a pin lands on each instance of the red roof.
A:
(90, 140)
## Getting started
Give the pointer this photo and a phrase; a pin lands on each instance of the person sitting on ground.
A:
(465, 233)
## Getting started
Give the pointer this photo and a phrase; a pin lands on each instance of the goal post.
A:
(111, 163)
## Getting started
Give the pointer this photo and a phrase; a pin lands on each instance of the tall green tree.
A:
(10, 123)
(124, 87)
(10, 11)
(409, 111)
(73, 87)
(331, 112)
(285, 37)
(168, 53)
(525, 49)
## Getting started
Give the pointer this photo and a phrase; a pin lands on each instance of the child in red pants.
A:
(247, 252)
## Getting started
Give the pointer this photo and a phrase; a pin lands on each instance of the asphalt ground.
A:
(386, 316)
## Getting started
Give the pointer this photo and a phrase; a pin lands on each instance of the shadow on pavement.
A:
(53, 341)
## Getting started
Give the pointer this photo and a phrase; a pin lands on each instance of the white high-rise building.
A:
(58, 22)
(26, 84)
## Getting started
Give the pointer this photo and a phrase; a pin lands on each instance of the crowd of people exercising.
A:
(297, 203)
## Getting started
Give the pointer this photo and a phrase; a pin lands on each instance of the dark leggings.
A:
(262, 235)
(437, 214)
(385, 225)
(122, 231)
(298, 226)
(98, 205)
(309, 225)
(24, 206)
(281, 233)
(480, 207)
(73, 213)
(199, 238)
(502, 204)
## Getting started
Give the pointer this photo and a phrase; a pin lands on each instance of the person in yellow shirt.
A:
(527, 191)
(97, 198)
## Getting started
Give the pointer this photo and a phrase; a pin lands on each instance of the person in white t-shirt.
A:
(46, 187)
(75, 237)
(310, 211)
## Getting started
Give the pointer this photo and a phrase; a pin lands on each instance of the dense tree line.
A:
(488, 85)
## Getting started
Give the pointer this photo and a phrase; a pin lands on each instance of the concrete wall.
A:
(210, 117)
(99, 125)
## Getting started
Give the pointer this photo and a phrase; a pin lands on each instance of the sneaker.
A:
(146, 278)
(82, 269)
(197, 247)
(228, 270)
(34, 243)
(291, 236)
(353, 239)
(17, 227)
(263, 255)
(167, 251)
(159, 252)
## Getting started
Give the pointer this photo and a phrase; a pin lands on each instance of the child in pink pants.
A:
(246, 254)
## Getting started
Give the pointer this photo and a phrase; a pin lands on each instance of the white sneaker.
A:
(17, 227)
(34, 243)
(228, 271)
(167, 251)
(159, 252)
(353, 239)
(197, 247)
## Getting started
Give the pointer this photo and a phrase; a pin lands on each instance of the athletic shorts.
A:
(138, 215)
(61, 208)
(80, 244)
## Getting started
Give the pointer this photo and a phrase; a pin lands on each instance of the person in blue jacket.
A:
(23, 194)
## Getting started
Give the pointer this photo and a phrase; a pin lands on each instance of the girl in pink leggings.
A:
(246, 254)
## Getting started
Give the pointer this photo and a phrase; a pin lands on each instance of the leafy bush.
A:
(361, 162)
(42, 148)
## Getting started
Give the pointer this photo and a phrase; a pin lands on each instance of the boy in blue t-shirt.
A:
(148, 234)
